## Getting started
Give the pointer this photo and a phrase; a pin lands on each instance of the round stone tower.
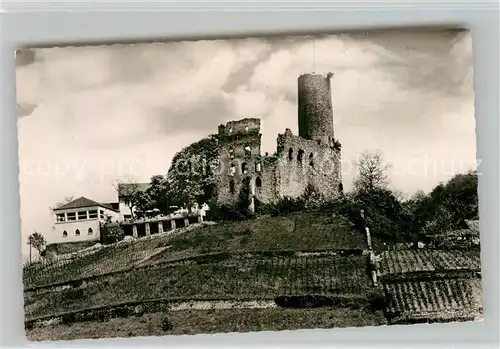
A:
(315, 108)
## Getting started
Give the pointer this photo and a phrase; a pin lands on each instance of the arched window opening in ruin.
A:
(311, 158)
(258, 167)
(231, 187)
(65, 234)
(230, 130)
(246, 128)
(232, 170)
(231, 153)
(300, 155)
(248, 151)
(244, 168)
(290, 154)
(258, 182)
(77, 232)
(90, 231)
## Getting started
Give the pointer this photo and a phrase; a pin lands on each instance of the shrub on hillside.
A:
(111, 233)
(225, 213)
(283, 206)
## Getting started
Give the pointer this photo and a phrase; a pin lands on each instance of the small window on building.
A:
(244, 168)
(231, 153)
(126, 202)
(300, 155)
(92, 214)
(82, 215)
(61, 217)
(91, 231)
(127, 216)
(101, 214)
(311, 160)
(248, 151)
(77, 232)
(231, 187)
(232, 170)
(290, 154)
(258, 182)
(65, 234)
(258, 167)
(71, 216)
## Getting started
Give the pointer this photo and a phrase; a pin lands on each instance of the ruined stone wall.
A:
(310, 159)
(240, 157)
(304, 162)
(315, 107)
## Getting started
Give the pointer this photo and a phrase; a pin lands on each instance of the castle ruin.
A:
(310, 159)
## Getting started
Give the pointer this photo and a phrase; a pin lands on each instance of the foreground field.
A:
(210, 321)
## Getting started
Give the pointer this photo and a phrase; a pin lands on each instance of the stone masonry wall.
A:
(303, 162)
(310, 159)
(240, 157)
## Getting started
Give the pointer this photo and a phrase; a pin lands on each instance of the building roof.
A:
(83, 202)
(112, 205)
(125, 189)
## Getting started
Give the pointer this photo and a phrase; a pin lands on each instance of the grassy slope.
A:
(300, 231)
(230, 279)
(233, 278)
(210, 321)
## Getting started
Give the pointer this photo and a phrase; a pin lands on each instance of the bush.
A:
(283, 206)
(226, 213)
(111, 233)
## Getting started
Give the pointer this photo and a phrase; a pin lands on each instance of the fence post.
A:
(372, 261)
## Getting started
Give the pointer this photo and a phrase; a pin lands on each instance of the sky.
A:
(89, 117)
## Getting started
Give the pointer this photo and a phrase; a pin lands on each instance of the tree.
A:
(64, 201)
(37, 241)
(447, 206)
(157, 194)
(192, 175)
(372, 171)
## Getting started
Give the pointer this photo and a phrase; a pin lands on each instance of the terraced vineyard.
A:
(408, 261)
(431, 285)
(448, 298)
(104, 261)
(233, 278)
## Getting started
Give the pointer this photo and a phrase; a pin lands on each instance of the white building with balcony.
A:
(79, 220)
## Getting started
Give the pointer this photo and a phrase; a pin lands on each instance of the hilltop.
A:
(253, 260)
(249, 273)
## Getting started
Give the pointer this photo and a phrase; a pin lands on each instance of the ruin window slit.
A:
(258, 182)
(300, 155)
